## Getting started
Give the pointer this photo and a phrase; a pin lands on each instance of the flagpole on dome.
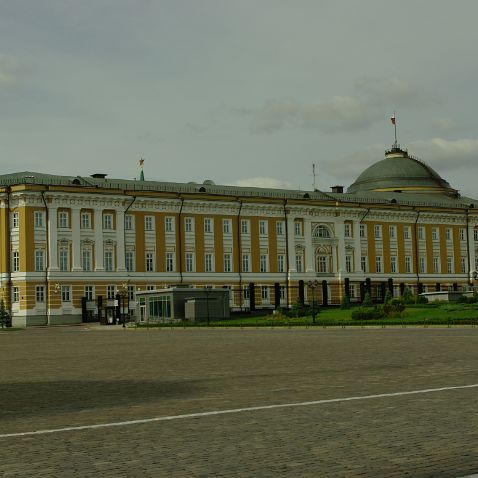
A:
(141, 175)
(393, 119)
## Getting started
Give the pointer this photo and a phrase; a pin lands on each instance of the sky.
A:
(249, 92)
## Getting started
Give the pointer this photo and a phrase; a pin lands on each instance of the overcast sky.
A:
(249, 92)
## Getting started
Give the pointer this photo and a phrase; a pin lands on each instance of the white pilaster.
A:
(471, 242)
(75, 237)
(291, 243)
(53, 238)
(340, 234)
(357, 247)
(120, 245)
(99, 266)
(309, 252)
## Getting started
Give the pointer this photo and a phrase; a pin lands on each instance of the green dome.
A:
(400, 172)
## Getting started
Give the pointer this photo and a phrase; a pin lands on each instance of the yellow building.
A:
(66, 241)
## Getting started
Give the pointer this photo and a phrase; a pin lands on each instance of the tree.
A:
(367, 300)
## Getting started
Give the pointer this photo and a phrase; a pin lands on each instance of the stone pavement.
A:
(73, 376)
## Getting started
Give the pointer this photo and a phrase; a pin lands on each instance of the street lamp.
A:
(312, 285)
(124, 299)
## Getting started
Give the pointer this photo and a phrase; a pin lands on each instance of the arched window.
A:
(322, 231)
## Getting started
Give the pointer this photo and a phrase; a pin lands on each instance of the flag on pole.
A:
(393, 120)
(141, 162)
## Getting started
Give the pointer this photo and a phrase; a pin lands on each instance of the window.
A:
(188, 224)
(421, 264)
(263, 228)
(362, 230)
(393, 264)
(347, 230)
(299, 262)
(363, 263)
(129, 261)
(263, 263)
(434, 234)
(280, 228)
(392, 232)
(449, 265)
(63, 220)
(280, 263)
(86, 259)
(348, 263)
(90, 292)
(378, 264)
(148, 223)
(85, 220)
(110, 291)
(108, 260)
(421, 233)
(322, 264)
(408, 264)
(108, 221)
(377, 231)
(436, 265)
(226, 226)
(352, 291)
(298, 228)
(150, 287)
(40, 293)
(265, 293)
(189, 262)
(246, 293)
(131, 292)
(322, 231)
(15, 294)
(406, 232)
(128, 222)
(149, 262)
(448, 234)
(15, 220)
(39, 260)
(227, 263)
(64, 262)
(463, 264)
(475, 234)
(66, 293)
(169, 224)
(169, 262)
(207, 225)
(245, 262)
(208, 262)
(38, 219)
(462, 234)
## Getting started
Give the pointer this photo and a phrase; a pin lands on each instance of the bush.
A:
(301, 310)
(367, 300)
(394, 309)
(388, 296)
(420, 299)
(345, 302)
(407, 296)
(363, 313)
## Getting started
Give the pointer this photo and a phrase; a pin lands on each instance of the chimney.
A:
(337, 189)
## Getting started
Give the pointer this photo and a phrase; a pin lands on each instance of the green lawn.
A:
(446, 314)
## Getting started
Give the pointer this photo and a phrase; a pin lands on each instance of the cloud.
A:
(342, 113)
(444, 125)
(447, 155)
(262, 182)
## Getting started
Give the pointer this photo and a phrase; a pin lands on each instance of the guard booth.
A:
(182, 303)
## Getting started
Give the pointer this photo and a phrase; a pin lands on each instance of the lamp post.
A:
(312, 285)
(124, 299)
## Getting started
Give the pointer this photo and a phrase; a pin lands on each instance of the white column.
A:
(53, 238)
(120, 246)
(99, 240)
(340, 234)
(357, 247)
(309, 253)
(291, 244)
(471, 242)
(76, 240)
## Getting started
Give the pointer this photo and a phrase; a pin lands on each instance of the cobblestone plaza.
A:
(71, 377)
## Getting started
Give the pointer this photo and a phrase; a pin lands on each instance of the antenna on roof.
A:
(313, 174)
